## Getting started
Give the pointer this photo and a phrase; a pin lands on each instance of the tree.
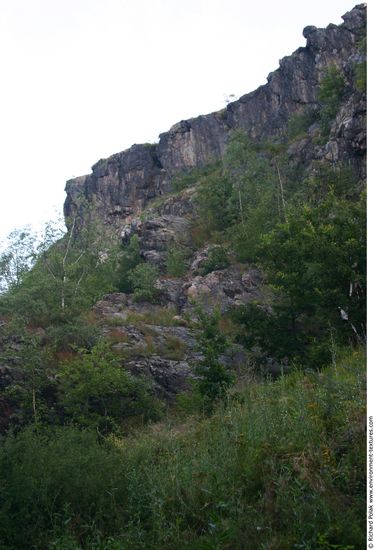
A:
(214, 377)
(177, 260)
(80, 265)
(17, 258)
(31, 391)
(143, 279)
(318, 262)
(70, 270)
(96, 390)
(130, 259)
(252, 177)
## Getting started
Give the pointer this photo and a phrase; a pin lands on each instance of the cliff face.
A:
(120, 186)
(129, 194)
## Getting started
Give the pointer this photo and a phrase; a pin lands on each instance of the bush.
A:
(361, 68)
(329, 95)
(73, 335)
(96, 390)
(282, 468)
(177, 260)
(215, 379)
(130, 259)
(299, 124)
(192, 176)
(217, 259)
(57, 480)
(143, 279)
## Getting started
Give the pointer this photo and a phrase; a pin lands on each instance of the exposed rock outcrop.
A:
(157, 234)
(157, 341)
(130, 194)
(120, 186)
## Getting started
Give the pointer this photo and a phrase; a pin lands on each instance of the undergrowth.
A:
(280, 466)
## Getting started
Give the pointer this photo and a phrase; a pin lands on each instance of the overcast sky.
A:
(83, 79)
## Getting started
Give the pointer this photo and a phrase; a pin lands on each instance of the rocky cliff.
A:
(119, 187)
(130, 194)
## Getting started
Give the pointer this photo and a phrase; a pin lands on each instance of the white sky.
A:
(84, 79)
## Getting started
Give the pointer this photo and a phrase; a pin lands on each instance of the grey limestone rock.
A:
(157, 234)
(120, 186)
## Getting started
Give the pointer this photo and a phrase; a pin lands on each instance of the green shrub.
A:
(299, 124)
(217, 259)
(214, 379)
(130, 259)
(192, 176)
(361, 68)
(143, 279)
(177, 260)
(361, 76)
(54, 480)
(284, 467)
(73, 335)
(329, 95)
(96, 390)
(213, 199)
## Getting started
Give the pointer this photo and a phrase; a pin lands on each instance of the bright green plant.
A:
(96, 390)
(193, 176)
(217, 259)
(70, 272)
(265, 470)
(329, 95)
(18, 255)
(361, 68)
(143, 279)
(130, 259)
(215, 379)
(31, 394)
(299, 124)
(177, 260)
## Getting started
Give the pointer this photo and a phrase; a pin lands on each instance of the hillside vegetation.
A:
(280, 465)
(102, 449)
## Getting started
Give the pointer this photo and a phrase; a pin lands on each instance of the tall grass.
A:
(281, 466)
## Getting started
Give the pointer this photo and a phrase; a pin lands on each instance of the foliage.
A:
(213, 197)
(31, 395)
(192, 176)
(96, 390)
(72, 335)
(361, 68)
(329, 95)
(246, 198)
(177, 260)
(17, 257)
(316, 263)
(130, 259)
(277, 468)
(143, 279)
(253, 178)
(166, 317)
(361, 76)
(70, 272)
(217, 259)
(214, 378)
(299, 123)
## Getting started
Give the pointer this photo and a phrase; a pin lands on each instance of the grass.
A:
(156, 316)
(161, 316)
(174, 348)
(280, 466)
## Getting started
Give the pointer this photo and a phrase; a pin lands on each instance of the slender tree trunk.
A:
(34, 399)
(281, 192)
(241, 206)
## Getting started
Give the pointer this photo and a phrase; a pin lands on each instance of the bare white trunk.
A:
(281, 193)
